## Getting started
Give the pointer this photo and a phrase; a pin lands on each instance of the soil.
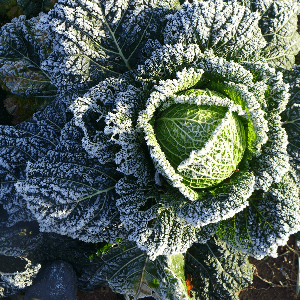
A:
(274, 278)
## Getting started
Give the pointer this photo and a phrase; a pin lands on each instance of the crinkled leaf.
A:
(291, 118)
(22, 50)
(267, 222)
(279, 28)
(149, 215)
(217, 270)
(26, 142)
(70, 194)
(168, 59)
(229, 28)
(129, 271)
(97, 39)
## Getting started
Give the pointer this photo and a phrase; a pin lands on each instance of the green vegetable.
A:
(203, 143)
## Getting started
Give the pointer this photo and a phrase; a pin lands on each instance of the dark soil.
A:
(274, 278)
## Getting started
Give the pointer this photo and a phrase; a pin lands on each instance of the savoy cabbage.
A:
(172, 133)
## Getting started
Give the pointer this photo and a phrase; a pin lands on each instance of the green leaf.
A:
(267, 222)
(185, 127)
(131, 272)
(218, 271)
(291, 117)
(230, 29)
(98, 39)
(22, 50)
(184, 131)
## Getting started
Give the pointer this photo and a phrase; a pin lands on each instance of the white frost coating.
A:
(211, 209)
(207, 100)
(227, 27)
(168, 59)
(185, 79)
(274, 160)
(280, 207)
(226, 70)
(20, 280)
(167, 89)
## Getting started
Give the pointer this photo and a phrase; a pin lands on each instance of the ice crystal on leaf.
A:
(146, 208)
(23, 48)
(98, 39)
(77, 195)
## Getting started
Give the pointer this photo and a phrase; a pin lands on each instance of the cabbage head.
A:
(204, 144)
(201, 148)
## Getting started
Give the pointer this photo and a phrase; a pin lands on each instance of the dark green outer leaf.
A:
(98, 39)
(129, 271)
(291, 117)
(26, 142)
(22, 50)
(218, 271)
(70, 194)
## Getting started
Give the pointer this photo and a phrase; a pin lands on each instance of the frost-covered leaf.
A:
(267, 222)
(279, 28)
(239, 30)
(70, 194)
(26, 142)
(97, 39)
(90, 112)
(291, 118)
(218, 271)
(230, 29)
(151, 218)
(166, 60)
(11, 283)
(22, 50)
(129, 271)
